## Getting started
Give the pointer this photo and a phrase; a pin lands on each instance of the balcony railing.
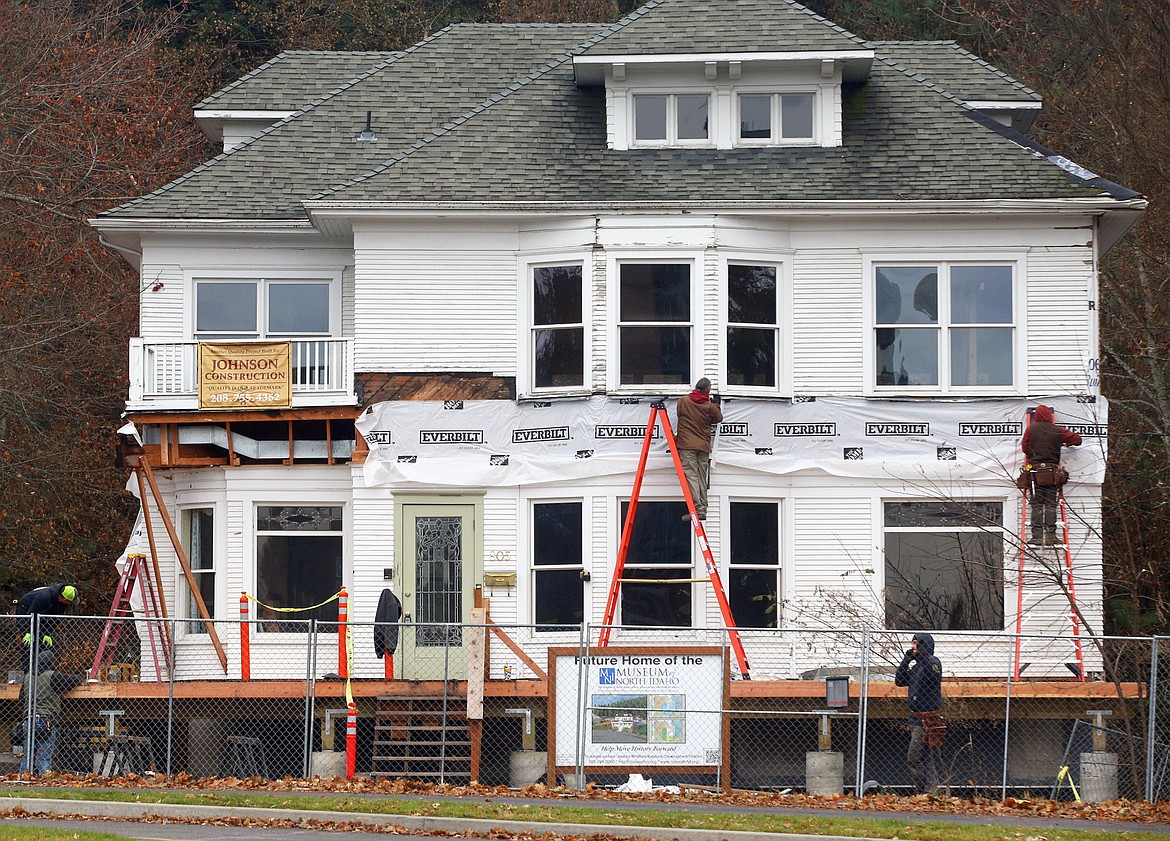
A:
(164, 375)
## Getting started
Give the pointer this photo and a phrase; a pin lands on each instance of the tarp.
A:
(494, 443)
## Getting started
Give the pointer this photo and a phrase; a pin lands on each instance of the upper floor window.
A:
(654, 324)
(753, 326)
(671, 119)
(772, 118)
(262, 308)
(944, 326)
(558, 327)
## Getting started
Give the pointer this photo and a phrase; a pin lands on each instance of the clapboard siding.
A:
(828, 323)
(834, 553)
(422, 310)
(160, 315)
(500, 555)
(1058, 289)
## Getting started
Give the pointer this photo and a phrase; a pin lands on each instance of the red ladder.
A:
(136, 570)
(1074, 618)
(658, 415)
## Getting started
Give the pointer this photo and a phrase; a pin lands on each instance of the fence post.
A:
(245, 641)
(342, 624)
(351, 741)
(1152, 720)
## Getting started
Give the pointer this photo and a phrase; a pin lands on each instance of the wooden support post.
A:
(245, 639)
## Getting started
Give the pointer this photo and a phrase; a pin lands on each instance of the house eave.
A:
(590, 70)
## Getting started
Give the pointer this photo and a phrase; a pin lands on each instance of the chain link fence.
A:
(815, 711)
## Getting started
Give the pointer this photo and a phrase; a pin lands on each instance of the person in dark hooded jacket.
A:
(921, 673)
(1042, 443)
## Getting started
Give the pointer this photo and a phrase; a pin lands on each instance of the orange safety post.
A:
(342, 621)
(351, 741)
(388, 661)
(245, 641)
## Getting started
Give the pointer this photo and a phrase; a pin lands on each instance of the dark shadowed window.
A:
(753, 574)
(659, 553)
(557, 540)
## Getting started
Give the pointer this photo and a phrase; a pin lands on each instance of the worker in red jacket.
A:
(697, 413)
(1041, 444)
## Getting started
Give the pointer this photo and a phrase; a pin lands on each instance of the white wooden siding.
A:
(500, 555)
(828, 322)
(832, 563)
(161, 313)
(1058, 284)
(709, 325)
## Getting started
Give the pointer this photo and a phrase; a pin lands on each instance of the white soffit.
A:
(590, 69)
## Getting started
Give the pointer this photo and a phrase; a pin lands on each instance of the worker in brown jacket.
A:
(1042, 443)
(697, 413)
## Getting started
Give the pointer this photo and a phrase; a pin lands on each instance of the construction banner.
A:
(248, 375)
(493, 443)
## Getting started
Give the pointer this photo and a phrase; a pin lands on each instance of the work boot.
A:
(1037, 539)
(1050, 539)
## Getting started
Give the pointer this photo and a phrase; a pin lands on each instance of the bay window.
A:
(654, 324)
(197, 533)
(753, 331)
(299, 552)
(558, 327)
(659, 553)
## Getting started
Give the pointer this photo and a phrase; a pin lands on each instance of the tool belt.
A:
(1048, 475)
(934, 727)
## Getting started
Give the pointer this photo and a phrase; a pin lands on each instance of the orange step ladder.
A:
(136, 573)
(658, 415)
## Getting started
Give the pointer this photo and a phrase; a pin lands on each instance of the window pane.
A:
(666, 605)
(907, 357)
(298, 518)
(981, 356)
(560, 357)
(655, 292)
(556, 533)
(298, 308)
(660, 548)
(198, 526)
(225, 307)
(560, 597)
(692, 117)
(650, 117)
(907, 295)
(751, 294)
(751, 356)
(755, 116)
(796, 115)
(981, 294)
(754, 597)
(655, 355)
(943, 514)
(298, 570)
(944, 581)
(556, 295)
(755, 534)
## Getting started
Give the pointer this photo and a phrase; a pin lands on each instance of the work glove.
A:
(27, 640)
(47, 641)
(908, 656)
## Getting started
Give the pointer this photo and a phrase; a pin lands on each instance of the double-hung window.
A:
(672, 119)
(753, 572)
(944, 326)
(753, 326)
(659, 554)
(944, 565)
(299, 551)
(557, 555)
(558, 327)
(654, 324)
(775, 118)
(197, 531)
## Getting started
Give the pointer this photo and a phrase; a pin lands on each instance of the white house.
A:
(487, 253)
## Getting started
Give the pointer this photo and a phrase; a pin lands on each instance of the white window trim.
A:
(247, 275)
(250, 575)
(613, 309)
(783, 322)
(785, 583)
(525, 588)
(219, 555)
(525, 367)
(776, 92)
(1017, 259)
(672, 141)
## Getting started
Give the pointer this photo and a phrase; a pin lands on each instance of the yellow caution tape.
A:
(252, 598)
(1064, 772)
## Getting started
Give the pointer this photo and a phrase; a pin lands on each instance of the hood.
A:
(1043, 414)
(925, 643)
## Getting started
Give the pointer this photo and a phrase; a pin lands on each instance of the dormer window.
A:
(671, 119)
(773, 118)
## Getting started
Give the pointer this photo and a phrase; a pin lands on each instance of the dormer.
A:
(723, 100)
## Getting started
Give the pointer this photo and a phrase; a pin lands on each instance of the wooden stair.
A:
(425, 739)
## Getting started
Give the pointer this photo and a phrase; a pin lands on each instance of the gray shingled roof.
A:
(956, 70)
(723, 26)
(292, 80)
(492, 113)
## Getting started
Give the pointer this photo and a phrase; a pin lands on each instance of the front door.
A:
(440, 562)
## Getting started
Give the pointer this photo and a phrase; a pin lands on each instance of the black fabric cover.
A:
(386, 634)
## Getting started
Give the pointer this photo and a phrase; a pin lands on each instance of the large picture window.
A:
(660, 551)
(753, 574)
(944, 566)
(558, 327)
(262, 308)
(557, 541)
(654, 323)
(197, 530)
(753, 330)
(298, 563)
(944, 326)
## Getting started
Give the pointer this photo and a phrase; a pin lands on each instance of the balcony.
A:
(164, 375)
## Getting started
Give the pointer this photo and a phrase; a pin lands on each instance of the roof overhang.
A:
(591, 69)
(212, 120)
(1020, 115)
(124, 235)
